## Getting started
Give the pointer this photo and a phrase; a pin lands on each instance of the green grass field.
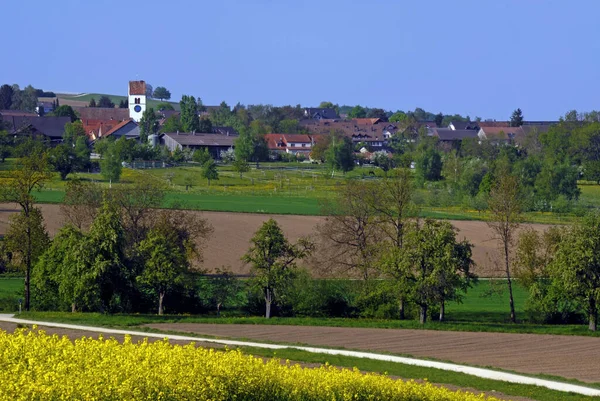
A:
(281, 188)
(11, 290)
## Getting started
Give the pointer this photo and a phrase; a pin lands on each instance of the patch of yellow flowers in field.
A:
(37, 366)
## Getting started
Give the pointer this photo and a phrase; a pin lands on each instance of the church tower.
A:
(137, 99)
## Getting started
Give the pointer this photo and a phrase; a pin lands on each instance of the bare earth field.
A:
(565, 356)
(233, 231)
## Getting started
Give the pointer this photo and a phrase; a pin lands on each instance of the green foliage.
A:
(554, 180)
(111, 160)
(161, 93)
(357, 112)
(209, 171)
(241, 166)
(65, 111)
(189, 119)
(575, 269)
(93, 103)
(273, 261)
(516, 119)
(148, 124)
(171, 125)
(340, 154)
(6, 95)
(164, 261)
(106, 102)
(429, 165)
(201, 156)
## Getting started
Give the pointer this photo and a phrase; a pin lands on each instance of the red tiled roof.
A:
(137, 87)
(486, 124)
(116, 127)
(96, 128)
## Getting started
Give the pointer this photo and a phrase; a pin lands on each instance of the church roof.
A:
(137, 87)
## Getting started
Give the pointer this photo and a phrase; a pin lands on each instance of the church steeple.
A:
(137, 99)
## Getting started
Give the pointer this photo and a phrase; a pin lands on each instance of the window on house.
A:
(303, 145)
(137, 100)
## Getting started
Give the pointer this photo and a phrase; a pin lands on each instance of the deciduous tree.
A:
(516, 119)
(161, 93)
(273, 261)
(209, 171)
(505, 205)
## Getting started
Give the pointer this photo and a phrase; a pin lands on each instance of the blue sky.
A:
(481, 58)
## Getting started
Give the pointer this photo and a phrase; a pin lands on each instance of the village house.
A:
(50, 128)
(215, 143)
(316, 113)
(128, 129)
(295, 144)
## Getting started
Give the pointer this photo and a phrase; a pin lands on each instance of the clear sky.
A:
(482, 57)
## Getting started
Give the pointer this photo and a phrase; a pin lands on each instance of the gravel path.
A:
(573, 357)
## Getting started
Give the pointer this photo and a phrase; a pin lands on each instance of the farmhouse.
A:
(102, 113)
(317, 113)
(51, 128)
(294, 144)
(215, 143)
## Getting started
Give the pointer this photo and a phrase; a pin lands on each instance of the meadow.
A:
(290, 188)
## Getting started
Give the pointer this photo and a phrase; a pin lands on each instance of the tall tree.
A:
(161, 93)
(29, 99)
(30, 173)
(190, 122)
(73, 131)
(209, 171)
(27, 240)
(92, 102)
(6, 95)
(273, 261)
(340, 154)
(350, 235)
(164, 263)
(106, 102)
(434, 265)
(148, 124)
(505, 205)
(149, 90)
(65, 111)
(110, 160)
(516, 119)
(357, 112)
(81, 203)
(576, 265)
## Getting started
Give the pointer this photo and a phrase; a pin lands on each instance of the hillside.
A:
(82, 100)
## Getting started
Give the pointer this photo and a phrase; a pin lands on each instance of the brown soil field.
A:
(233, 231)
(565, 356)
(75, 334)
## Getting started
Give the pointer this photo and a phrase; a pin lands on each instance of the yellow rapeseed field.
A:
(37, 366)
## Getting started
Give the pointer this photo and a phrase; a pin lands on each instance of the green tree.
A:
(161, 93)
(224, 288)
(340, 154)
(81, 203)
(201, 156)
(62, 159)
(148, 124)
(576, 266)
(171, 125)
(110, 161)
(189, 119)
(439, 118)
(165, 262)
(93, 102)
(106, 102)
(429, 165)
(27, 240)
(273, 261)
(65, 111)
(6, 95)
(209, 171)
(433, 265)
(73, 131)
(29, 174)
(241, 166)
(505, 205)
(377, 113)
(205, 125)
(516, 119)
(29, 99)
(357, 112)
(557, 179)
(6, 145)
